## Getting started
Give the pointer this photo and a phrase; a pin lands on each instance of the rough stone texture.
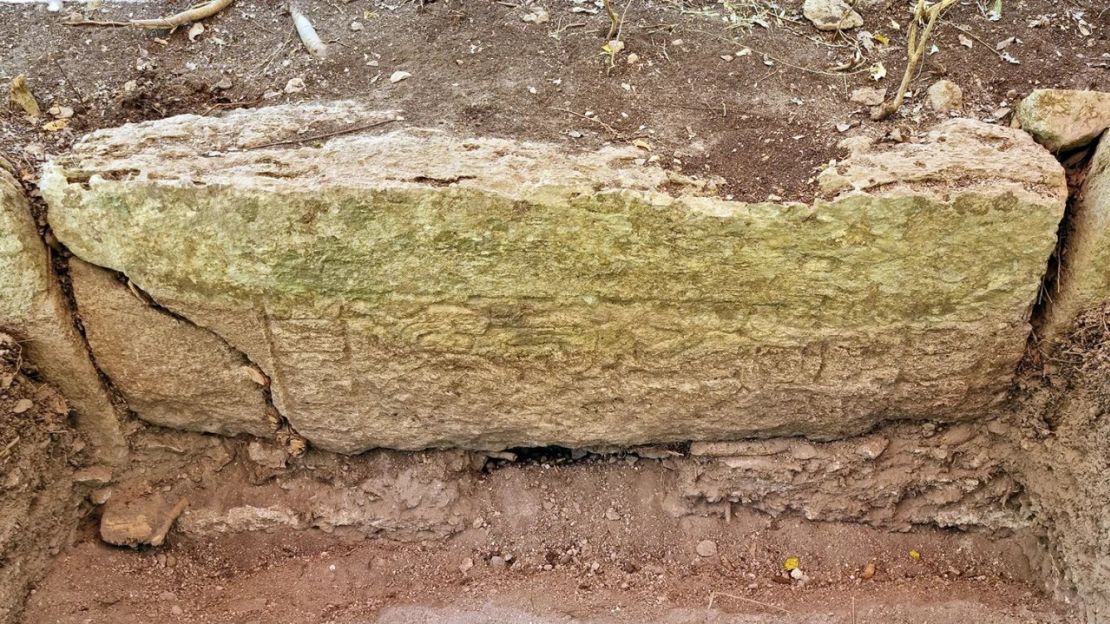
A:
(33, 308)
(139, 521)
(412, 289)
(171, 373)
(945, 96)
(1084, 274)
(1061, 119)
(831, 15)
(896, 478)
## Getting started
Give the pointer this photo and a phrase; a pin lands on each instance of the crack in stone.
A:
(294, 442)
(1075, 163)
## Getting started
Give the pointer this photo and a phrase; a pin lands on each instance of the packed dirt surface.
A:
(747, 91)
(38, 505)
(585, 541)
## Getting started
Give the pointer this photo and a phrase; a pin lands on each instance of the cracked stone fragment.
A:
(408, 288)
(139, 521)
(172, 373)
(33, 309)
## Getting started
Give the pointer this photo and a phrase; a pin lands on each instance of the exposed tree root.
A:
(915, 48)
(194, 14)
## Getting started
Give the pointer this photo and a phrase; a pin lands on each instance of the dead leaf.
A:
(868, 571)
(56, 125)
(22, 405)
(1005, 43)
(877, 71)
(20, 95)
(642, 144)
(965, 41)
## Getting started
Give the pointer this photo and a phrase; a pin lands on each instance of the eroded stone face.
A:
(1084, 280)
(33, 309)
(171, 373)
(1062, 119)
(413, 289)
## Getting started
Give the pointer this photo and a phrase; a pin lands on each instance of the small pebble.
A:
(295, 85)
(707, 548)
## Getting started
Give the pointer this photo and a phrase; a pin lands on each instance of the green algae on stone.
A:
(539, 297)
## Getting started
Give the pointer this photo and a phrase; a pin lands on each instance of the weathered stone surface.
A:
(831, 15)
(1061, 119)
(141, 520)
(411, 289)
(1084, 274)
(945, 96)
(171, 373)
(33, 309)
(898, 477)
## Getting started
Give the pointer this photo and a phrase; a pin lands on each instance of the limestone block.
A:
(171, 373)
(1084, 279)
(407, 288)
(139, 520)
(33, 308)
(1061, 119)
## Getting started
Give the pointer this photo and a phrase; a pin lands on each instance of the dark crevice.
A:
(1076, 163)
(562, 455)
(59, 264)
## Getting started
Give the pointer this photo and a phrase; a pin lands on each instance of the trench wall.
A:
(409, 289)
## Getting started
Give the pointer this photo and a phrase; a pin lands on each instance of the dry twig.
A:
(915, 49)
(326, 135)
(755, 602)
(611, 129)
(614, 20)
(195, 14)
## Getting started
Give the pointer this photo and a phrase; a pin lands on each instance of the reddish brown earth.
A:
(614, 555)
(765, 122)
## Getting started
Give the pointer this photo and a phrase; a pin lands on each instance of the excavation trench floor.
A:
(615, 554)
(313, 577)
